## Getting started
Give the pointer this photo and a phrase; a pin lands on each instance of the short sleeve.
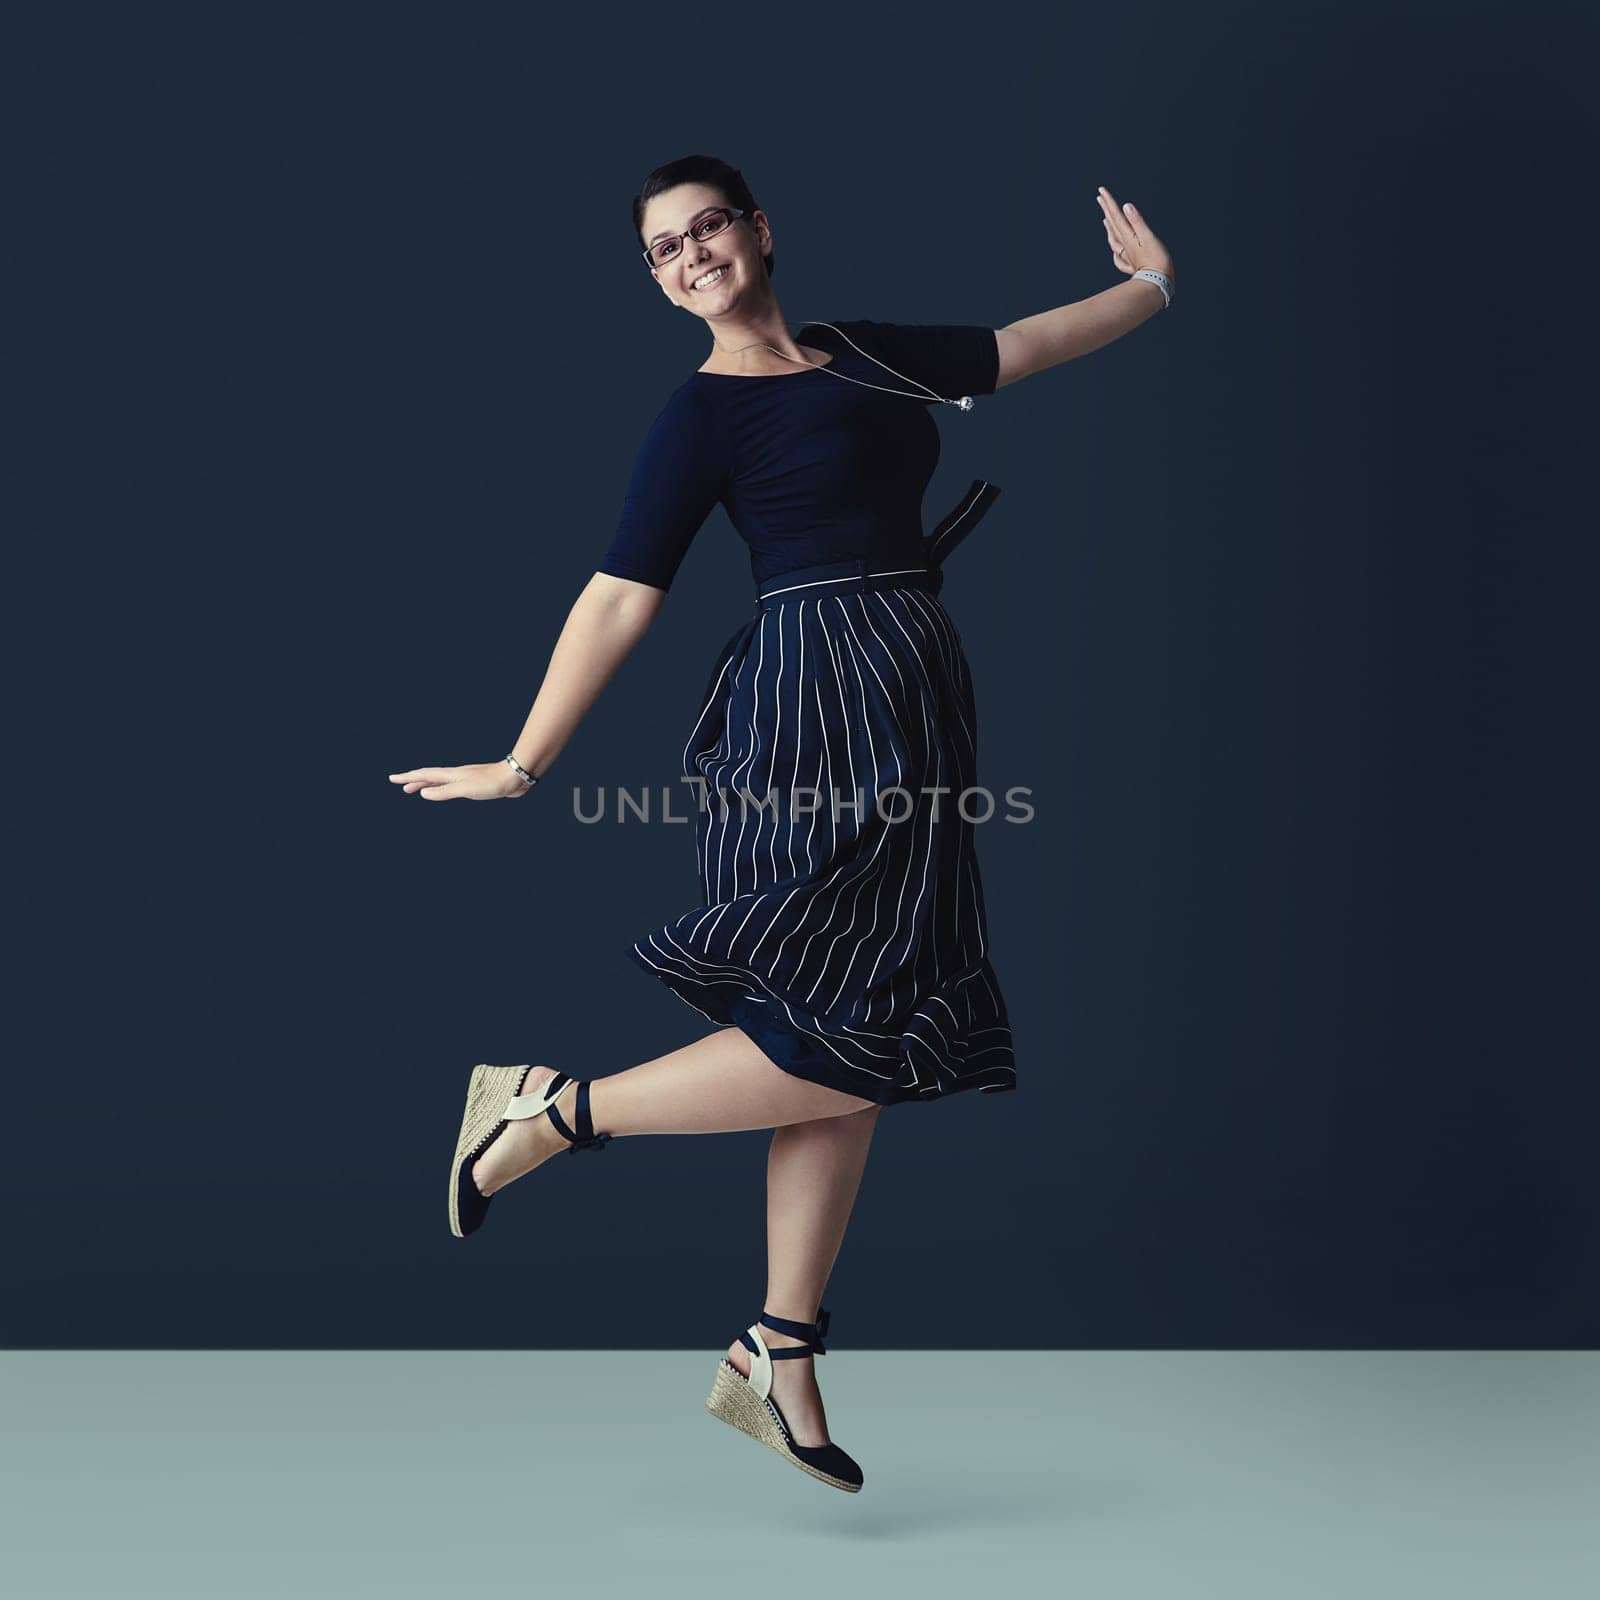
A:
(950, 358)
(679, 475)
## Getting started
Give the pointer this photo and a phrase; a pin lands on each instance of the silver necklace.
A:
(963, 404)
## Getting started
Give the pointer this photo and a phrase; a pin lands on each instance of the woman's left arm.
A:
(1046, 340)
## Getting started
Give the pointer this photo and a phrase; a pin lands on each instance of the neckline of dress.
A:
(756, 377)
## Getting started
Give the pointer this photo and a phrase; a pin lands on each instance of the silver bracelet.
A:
(1160, 280)
(516, 766)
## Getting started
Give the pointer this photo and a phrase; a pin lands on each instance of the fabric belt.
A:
(963, 518)
(832, 576)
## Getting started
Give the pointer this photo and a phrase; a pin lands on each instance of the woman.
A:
(841, 942)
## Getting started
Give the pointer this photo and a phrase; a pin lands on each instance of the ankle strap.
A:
(811, 1332)
(585, 1138)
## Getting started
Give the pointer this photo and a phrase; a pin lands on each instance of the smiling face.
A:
(738, 250)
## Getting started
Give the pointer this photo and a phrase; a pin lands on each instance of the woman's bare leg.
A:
(813, 1174)
(722, 1083)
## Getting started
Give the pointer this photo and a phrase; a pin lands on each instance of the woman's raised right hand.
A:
(485, 780)
(1132, 240)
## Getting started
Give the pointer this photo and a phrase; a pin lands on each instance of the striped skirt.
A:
(842, 921)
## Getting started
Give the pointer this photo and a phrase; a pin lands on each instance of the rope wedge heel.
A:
(747, 1403)
(494, 1101)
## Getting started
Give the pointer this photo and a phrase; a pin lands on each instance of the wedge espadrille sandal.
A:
(494, 1101)
(747, 1403)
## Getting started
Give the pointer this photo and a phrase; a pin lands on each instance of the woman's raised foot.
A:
(524, 1143)
(794, 1386)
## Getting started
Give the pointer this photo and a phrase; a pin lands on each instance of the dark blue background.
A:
(336, 349)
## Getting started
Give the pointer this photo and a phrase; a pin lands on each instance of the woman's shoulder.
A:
(688, 423)
(688, 401)
(827, 335)
(866, 335)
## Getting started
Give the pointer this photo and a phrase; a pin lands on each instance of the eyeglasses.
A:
(704, 227)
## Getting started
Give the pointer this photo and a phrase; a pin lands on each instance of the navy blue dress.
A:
(842, 921)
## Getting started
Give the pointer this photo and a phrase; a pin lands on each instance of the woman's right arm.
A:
(607, 620)
(679, 474)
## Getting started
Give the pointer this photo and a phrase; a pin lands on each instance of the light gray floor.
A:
(240, 1474)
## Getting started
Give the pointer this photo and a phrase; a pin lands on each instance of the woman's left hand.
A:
(1133, 245)
(483, 780)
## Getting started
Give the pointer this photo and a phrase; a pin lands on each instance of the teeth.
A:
(710, 278)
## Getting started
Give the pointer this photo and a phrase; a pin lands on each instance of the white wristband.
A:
(1160, 280)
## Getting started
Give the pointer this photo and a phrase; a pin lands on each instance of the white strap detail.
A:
(533, 1105)
(760, 1364)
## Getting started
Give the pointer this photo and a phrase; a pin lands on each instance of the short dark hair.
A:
(727, 181)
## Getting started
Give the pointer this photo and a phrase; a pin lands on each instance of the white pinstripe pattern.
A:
(853, 948)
